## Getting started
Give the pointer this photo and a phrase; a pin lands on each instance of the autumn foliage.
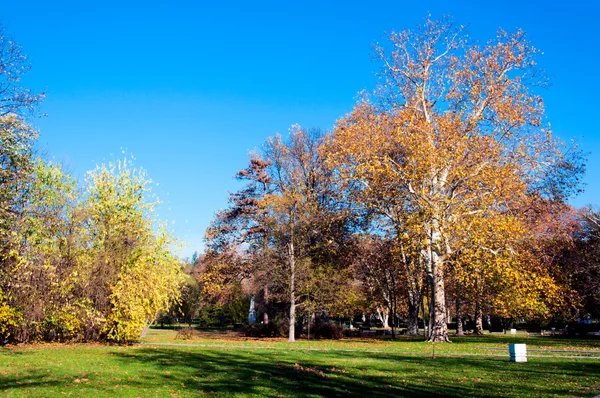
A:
(441, 162)
(442, 194)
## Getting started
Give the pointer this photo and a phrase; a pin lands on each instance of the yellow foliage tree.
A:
(455, 131)
(133, 274)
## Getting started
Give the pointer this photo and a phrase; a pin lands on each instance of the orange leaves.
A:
(451, 146)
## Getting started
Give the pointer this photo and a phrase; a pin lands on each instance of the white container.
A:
(513, 331)
(518, 352)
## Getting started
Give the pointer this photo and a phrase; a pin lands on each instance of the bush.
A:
(185, 334)
(327, 330)
(255, 330)
(60, 326)
(72, 322)
(275, 328)
(10, 318)
(582, 329)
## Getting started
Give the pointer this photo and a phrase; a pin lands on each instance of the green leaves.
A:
(88, 264)
(131, 257)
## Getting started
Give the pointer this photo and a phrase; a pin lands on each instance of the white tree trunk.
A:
(435, 276)
(292, 264)
(384, 316)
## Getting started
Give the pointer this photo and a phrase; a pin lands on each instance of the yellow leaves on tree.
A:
(454, 131)
(495, 271)
(138, 275)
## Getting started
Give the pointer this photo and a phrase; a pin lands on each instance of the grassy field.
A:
(222, 364)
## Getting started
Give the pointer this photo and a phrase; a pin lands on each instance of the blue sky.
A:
(189, 88)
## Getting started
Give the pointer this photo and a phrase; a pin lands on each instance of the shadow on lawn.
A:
(156, 371)
(294, 374)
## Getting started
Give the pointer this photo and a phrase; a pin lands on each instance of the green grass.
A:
(220, 365)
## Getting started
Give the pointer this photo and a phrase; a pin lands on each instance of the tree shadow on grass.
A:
(192, 371)
(231, 372)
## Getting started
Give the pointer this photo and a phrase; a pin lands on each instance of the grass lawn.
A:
(213, 364)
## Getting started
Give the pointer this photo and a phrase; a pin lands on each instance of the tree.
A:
(284, 228)
(73, 266)
(311, 223)
(586, 272)
(15, 99)
(16, 166)
(453, 133)
(569, 240)
(16, 158)
(132, 273)
(380, 274)
(35, 263)
(496, 271)
(245, 222)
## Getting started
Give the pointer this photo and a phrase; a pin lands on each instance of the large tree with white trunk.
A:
(453, 135)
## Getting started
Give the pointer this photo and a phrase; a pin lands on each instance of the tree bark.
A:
(439, 328)
(478, 319)
(459, 318)
(439, 321)
(266, 314)
(384, 316)
(414, 302)
(292, 264)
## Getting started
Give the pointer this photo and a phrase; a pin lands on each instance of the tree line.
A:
(443, 192)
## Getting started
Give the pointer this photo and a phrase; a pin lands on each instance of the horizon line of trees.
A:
(441, 192)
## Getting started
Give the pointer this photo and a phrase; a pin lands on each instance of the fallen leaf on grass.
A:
(335, 370)
(299, 368)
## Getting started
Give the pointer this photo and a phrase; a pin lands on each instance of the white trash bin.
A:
(518, 352)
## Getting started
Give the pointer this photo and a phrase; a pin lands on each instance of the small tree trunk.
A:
(426, 312)
(394, 318)
(478, 319)
(384, 316)
(308, 333)
(266, 314)
(292, 264)
(459, 318)
(413, 314)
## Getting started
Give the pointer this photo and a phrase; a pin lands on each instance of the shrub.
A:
(277, 327)
(185, 334)
(61, 326)
(327, 330)
(10, 318)
(78, 321)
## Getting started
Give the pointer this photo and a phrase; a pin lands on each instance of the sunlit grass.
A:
(217, 365)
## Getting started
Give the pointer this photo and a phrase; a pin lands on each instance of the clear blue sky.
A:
(189, 88)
